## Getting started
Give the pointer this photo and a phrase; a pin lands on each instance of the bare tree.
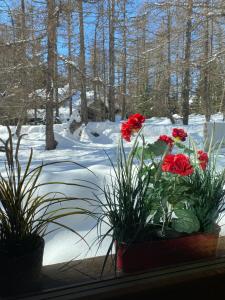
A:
(205, 95)
(124, 63)
(24, 94)
(111, 95)
(169, 114)
(82, 65)
(187, 55)
(51, 29)
(69, 35)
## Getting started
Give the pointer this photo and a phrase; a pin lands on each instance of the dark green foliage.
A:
(23, 212)
(168, 205)
(185, 221)
(151, 150)
(125, 208)
(206, 196)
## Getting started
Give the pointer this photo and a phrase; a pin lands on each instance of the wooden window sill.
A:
(80, 280)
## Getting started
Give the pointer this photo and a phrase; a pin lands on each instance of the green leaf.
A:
(148, 170)
(180, 206)
(186, 221)
(158, 216)
(186, 150)
(155, 204)
(151, 150)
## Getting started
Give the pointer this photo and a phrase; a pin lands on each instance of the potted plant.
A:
(156, 212)
(187, 200)
(24, 218)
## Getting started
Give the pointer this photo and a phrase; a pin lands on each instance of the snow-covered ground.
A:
(64, 111)
(87, 147)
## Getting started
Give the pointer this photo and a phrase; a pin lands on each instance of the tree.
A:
(69, 35)
(187, 55)
(111, 94)
(205, 95)
(82, 66)
(169, 114)
(124, 58)
(24, 94)
(51, 30)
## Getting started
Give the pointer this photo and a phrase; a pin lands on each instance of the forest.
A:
(158, 58)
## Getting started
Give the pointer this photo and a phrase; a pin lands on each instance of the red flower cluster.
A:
(126, 131)
(177, 164)
(133, 124)
(167, 139)
(203, 159)
(135, 121)
(179, 134)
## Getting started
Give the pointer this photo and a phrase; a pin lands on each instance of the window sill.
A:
(80, 280)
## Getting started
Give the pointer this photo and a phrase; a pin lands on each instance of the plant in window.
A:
(205, 189)
(25, 216)
(152, 206)
(193, 188)
(125, 208)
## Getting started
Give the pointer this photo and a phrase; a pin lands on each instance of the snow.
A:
(63, 92)
(64, 112)
(87, 146)
(77, 100)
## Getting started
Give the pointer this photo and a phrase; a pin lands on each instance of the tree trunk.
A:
(222, 102)
(35, 61)
(95, 73)
(169, 114)
(186, 81)
(24, 94)
(84, 109)
(104, 64)
(206, 99)
(50, 140)
(69, 32)
(111, 96)
(124, 92)
(56, 92)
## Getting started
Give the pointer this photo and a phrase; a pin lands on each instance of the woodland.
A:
(158, 58)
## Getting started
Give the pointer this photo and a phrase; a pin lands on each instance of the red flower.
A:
(136, 121)
(179, 134)
(177, 164)
(203, 159)
(126, 131)
(133, 124)
(167, 139)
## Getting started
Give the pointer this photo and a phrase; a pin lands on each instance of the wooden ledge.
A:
(207, 276)
(81, 280)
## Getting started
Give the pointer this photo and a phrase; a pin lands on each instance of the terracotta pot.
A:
(153, 254)
(20, 267)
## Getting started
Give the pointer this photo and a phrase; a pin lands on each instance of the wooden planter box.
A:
(153, 254)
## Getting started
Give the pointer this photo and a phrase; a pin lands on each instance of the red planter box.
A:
(153, 254)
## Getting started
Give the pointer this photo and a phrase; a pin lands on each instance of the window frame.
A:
(61, 285)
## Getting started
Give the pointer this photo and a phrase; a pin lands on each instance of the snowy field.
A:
(87, 147)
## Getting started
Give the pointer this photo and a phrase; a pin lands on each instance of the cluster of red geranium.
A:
(203, 159)
(178, 134)
(173, 163)
(180, 163)
(132, 125)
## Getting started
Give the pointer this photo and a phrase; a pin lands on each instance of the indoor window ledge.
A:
(80, 280)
